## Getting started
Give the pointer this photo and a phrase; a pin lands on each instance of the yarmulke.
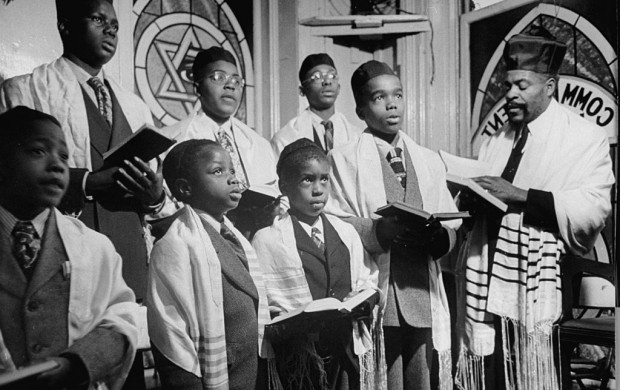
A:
(208, 56)
(293, 147)
(537, 51)
(72, 8)
(367, 71)
(314, 60)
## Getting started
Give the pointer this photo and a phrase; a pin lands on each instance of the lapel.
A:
(333, 243)
(12, 279)
(98, 130)
(413, 196)
(304, 242)
(51, 257)
(230, 263)
(120, 126)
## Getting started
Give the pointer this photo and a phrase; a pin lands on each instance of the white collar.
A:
(8, 221)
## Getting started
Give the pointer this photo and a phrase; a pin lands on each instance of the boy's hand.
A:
(137, 178)
(502, 189)
(59, 377)
(388, 228)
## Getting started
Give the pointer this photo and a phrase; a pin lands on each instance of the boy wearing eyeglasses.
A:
(96, 114)
(219, 83)
(319, 122)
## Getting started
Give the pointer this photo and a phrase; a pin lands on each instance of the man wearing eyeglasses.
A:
(96, 114)
(320, 122)
(219, 85)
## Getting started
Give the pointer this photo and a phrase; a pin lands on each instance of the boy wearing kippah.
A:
(386, 165)
(62, 295)
(219, 85)
(307, 255)
(206, 302)
(320, 121)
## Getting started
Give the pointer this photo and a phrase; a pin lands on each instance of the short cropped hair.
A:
(182, 162)
(295, 155)
(14, 127)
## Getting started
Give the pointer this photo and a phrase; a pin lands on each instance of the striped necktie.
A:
(395, 159)
(227, 143)
(103, 99)
(317, 240)
(329, 135)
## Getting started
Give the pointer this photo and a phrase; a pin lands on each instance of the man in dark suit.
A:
(96, 114)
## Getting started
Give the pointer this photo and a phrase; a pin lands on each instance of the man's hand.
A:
(137, 178)
(387, 230)
(502, 189)
(419, 235)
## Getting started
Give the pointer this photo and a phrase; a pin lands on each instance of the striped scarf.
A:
(524, 289)
(198, 311)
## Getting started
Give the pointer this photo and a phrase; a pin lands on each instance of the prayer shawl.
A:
(287, 287)
(98, 295)
(53, 88)
(255, 151)
(185, 303)
(358, 190)
(302, 127)
(569, 157)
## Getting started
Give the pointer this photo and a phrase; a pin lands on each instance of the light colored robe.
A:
(54, 89)
(301, 127)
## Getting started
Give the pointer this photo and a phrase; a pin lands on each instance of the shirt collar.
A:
(8, 221)
(211, 124)
(82, 75)
(317, 120)
(544, 120)
(209, 219)
(317, 224)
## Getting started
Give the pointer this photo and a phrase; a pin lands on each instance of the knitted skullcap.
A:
(208, 56)
(367, 71)
(314, 60)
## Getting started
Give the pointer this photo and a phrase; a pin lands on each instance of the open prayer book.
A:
(146, 143)
(460, 170)
(417, 216)
(328, 308)
(25, 372)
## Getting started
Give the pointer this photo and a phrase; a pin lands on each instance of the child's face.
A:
(214, 187)
(36, 176)
(219, 102)
(382, 104)
(94, 36)
(322, 91)
(308, 190)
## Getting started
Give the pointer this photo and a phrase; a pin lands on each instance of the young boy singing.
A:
(319, 122)
(386, 165)
(308, 255)
(206, 302)
(61, 290)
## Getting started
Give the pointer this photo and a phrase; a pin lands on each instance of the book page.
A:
(27, 371)
(358, 299)
(323, 304)
(464, 167)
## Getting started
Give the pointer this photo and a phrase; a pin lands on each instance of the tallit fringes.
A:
(298, 363)
(381, 364)
(470, 372)
(274, 378)
(367, 370)
(529, 361)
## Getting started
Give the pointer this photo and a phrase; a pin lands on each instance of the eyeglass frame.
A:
(103, 23)
(227, 79)
(322, 77)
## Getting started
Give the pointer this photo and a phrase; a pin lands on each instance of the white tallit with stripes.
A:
(185, 303)
(285, 280)
(569, 157)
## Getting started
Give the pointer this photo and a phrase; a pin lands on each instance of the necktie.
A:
(234, 243)
(329, 135)
(227, 144)
(103, 98)
(317, 240)
(515, 156)
(396, 162)
(26, 245)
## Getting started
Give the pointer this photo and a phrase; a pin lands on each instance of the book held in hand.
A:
(410, 214)
(327, 308)
(464, 183)
(258, 196)
(146, 144)
(25, 372)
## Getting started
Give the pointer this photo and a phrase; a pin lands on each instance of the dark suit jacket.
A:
(33, 315)
(111, 212)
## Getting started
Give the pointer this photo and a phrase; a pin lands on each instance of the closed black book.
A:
(146, 144)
